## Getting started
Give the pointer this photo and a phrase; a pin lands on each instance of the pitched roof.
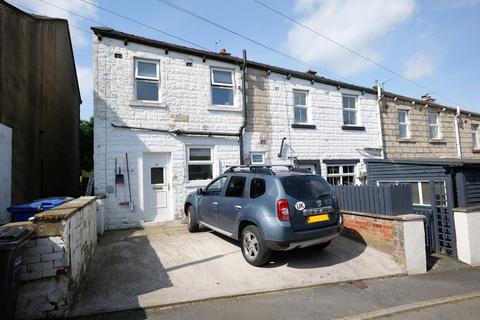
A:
(114, 34)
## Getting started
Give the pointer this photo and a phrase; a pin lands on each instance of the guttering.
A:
(244, 100)
(457, 133)
(180, 132)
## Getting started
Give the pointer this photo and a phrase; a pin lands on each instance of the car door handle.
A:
(238, 207)
(215, 203)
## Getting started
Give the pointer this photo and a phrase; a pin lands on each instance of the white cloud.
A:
(79, 37)
(358, 24)
(85, 80)
(419, 66)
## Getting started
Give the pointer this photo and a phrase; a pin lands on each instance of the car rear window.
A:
(305, 187)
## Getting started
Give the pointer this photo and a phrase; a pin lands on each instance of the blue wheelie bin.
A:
(22, 212)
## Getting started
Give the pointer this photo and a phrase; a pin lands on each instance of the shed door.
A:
(438, 210)
(443, 218)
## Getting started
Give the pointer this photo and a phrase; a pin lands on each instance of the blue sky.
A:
(433, 42)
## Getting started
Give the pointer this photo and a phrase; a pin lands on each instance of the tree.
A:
(86, 144)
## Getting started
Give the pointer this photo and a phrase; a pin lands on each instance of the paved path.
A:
(161, 266)
(353, 300)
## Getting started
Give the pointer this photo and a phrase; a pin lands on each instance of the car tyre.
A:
(192, 222)
(254, 248)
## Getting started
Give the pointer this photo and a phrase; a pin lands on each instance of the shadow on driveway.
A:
(119, 256)
(310, 257)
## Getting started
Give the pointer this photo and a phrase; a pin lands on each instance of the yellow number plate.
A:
(319, 218)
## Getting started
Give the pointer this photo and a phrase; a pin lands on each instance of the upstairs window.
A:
(341, 174)
(300, 108)
(403, 124)
(433, 126)
(200, 163)
(147, 80)
(349, 110)
(475, 140)
(222, 87)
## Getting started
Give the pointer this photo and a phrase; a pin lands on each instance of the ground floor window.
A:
(420, 191)
(257, 158)
(200, 163)
(341, 174)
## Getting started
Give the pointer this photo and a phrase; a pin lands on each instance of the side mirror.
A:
(200, 191)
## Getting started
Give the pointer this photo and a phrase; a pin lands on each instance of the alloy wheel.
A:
(250, 245)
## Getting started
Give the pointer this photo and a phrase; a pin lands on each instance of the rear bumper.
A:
(290, 239)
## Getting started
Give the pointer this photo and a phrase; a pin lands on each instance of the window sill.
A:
(357, 128)
(303, 126)
(224, 108)
(139, 103)
(406, 140)
(437, 141)
(197, 183)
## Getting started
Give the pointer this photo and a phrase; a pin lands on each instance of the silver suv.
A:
(267, 209)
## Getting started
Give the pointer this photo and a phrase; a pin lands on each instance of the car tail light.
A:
(282, 210)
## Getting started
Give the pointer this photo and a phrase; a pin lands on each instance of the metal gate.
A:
(439, 223)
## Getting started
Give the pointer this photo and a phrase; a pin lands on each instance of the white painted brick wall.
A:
(52, 267)
(40, 256)
(185, 91)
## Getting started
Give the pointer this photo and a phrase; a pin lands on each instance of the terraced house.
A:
(170, 118)
(181, 115)
(424, 129)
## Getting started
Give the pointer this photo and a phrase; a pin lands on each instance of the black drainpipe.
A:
(244, 96)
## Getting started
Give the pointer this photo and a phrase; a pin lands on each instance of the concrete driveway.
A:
(166, 265)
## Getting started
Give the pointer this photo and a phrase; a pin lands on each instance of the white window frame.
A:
(214, 84)
(299, 106)
(475, 136)
(257, 154)
(406, 124)
(340, 173)
(355, 109)
(208, 162)
(148, 79)
(419, 186)
(439, 133)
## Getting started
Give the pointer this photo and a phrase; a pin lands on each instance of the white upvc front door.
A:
(157, 187)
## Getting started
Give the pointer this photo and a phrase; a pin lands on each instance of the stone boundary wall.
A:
(56, 258)
(402, 237)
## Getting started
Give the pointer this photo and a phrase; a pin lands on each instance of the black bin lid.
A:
(10, 234)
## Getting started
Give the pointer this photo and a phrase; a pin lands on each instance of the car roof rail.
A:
(263, 169)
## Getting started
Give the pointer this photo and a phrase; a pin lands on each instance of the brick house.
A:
(178, 113)
(424, 129)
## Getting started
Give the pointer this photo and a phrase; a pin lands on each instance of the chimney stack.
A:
(428, 98)
(224, 52)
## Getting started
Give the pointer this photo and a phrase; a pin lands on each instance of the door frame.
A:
(141, 183)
